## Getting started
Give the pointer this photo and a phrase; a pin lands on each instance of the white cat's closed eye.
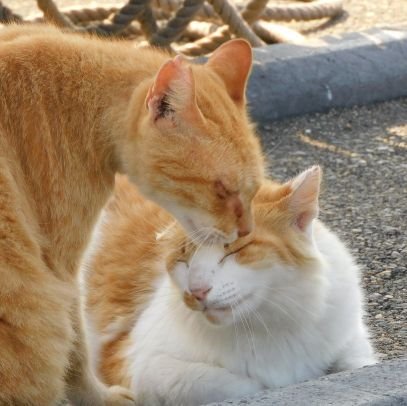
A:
(226, 246)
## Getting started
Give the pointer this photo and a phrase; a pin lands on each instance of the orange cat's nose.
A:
(200, 294)
(243, 231)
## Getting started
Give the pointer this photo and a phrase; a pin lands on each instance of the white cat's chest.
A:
(275, 360)
(248, 350)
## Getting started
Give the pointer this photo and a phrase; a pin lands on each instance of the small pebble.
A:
(384, 274)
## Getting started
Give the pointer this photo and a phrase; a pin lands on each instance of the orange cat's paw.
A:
(119, 396)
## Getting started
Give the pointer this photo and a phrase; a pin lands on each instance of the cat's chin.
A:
(219, 317)
(224, 316)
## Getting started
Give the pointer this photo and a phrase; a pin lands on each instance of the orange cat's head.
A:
(274, 264)
(198, 156)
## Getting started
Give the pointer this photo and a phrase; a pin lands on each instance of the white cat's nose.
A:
(201, 293)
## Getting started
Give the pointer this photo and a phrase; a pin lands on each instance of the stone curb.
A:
(383, 384)
(352, 69)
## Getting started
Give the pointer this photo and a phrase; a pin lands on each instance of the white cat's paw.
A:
(242, 388)
(251, 388)
(119, 396)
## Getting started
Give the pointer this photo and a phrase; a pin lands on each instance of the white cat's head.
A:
(272, 268)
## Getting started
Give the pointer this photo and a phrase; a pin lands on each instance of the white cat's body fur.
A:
(291, 320)
(178, 358)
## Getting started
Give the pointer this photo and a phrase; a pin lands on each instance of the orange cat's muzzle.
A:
(244, 220)
(245, 224)
(244, 229)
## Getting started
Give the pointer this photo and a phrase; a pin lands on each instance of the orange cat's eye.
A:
(220, 190)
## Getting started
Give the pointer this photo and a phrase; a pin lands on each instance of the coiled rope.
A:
(193, 27)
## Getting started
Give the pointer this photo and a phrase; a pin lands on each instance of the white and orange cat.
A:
(181, 324)
(74, 111)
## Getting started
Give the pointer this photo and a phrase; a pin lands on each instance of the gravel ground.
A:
(363, 152)
(364, 155)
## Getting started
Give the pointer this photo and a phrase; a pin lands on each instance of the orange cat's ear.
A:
(172, 94)
(302, 202)
(232, 61)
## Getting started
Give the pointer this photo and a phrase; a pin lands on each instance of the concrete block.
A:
(383, 384)
(352, 69)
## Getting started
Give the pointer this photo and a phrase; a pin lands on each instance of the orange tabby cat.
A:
(74, 111)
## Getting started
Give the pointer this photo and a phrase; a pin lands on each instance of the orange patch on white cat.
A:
(120, 286)
(113, 361)
(279, 306)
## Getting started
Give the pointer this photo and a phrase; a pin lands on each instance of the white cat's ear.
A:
(302, 202)
(173, 93)
(232, 61)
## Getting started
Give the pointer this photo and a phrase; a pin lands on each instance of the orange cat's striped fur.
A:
(74, 111)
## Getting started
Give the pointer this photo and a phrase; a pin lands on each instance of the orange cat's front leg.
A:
(83, 387)
(35, 339)
(35, 328)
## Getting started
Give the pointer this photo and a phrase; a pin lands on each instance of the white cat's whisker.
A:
(250, 326)
(235, 327)
(270, 335)
(244, 325)
(197, 236)
(262, 322)
(159, 235)
(281, 308)
(288, 297)
(197, 250)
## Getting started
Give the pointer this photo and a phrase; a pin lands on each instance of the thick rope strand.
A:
(7, 15)
(133, 10)
(237, 25)
(222, 20)
(177, 25)
(304, 12)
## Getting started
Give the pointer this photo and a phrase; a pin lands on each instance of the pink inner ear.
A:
(167, 73)
(303, 201)
(303, 220)
(173, 92)
(232, 61)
